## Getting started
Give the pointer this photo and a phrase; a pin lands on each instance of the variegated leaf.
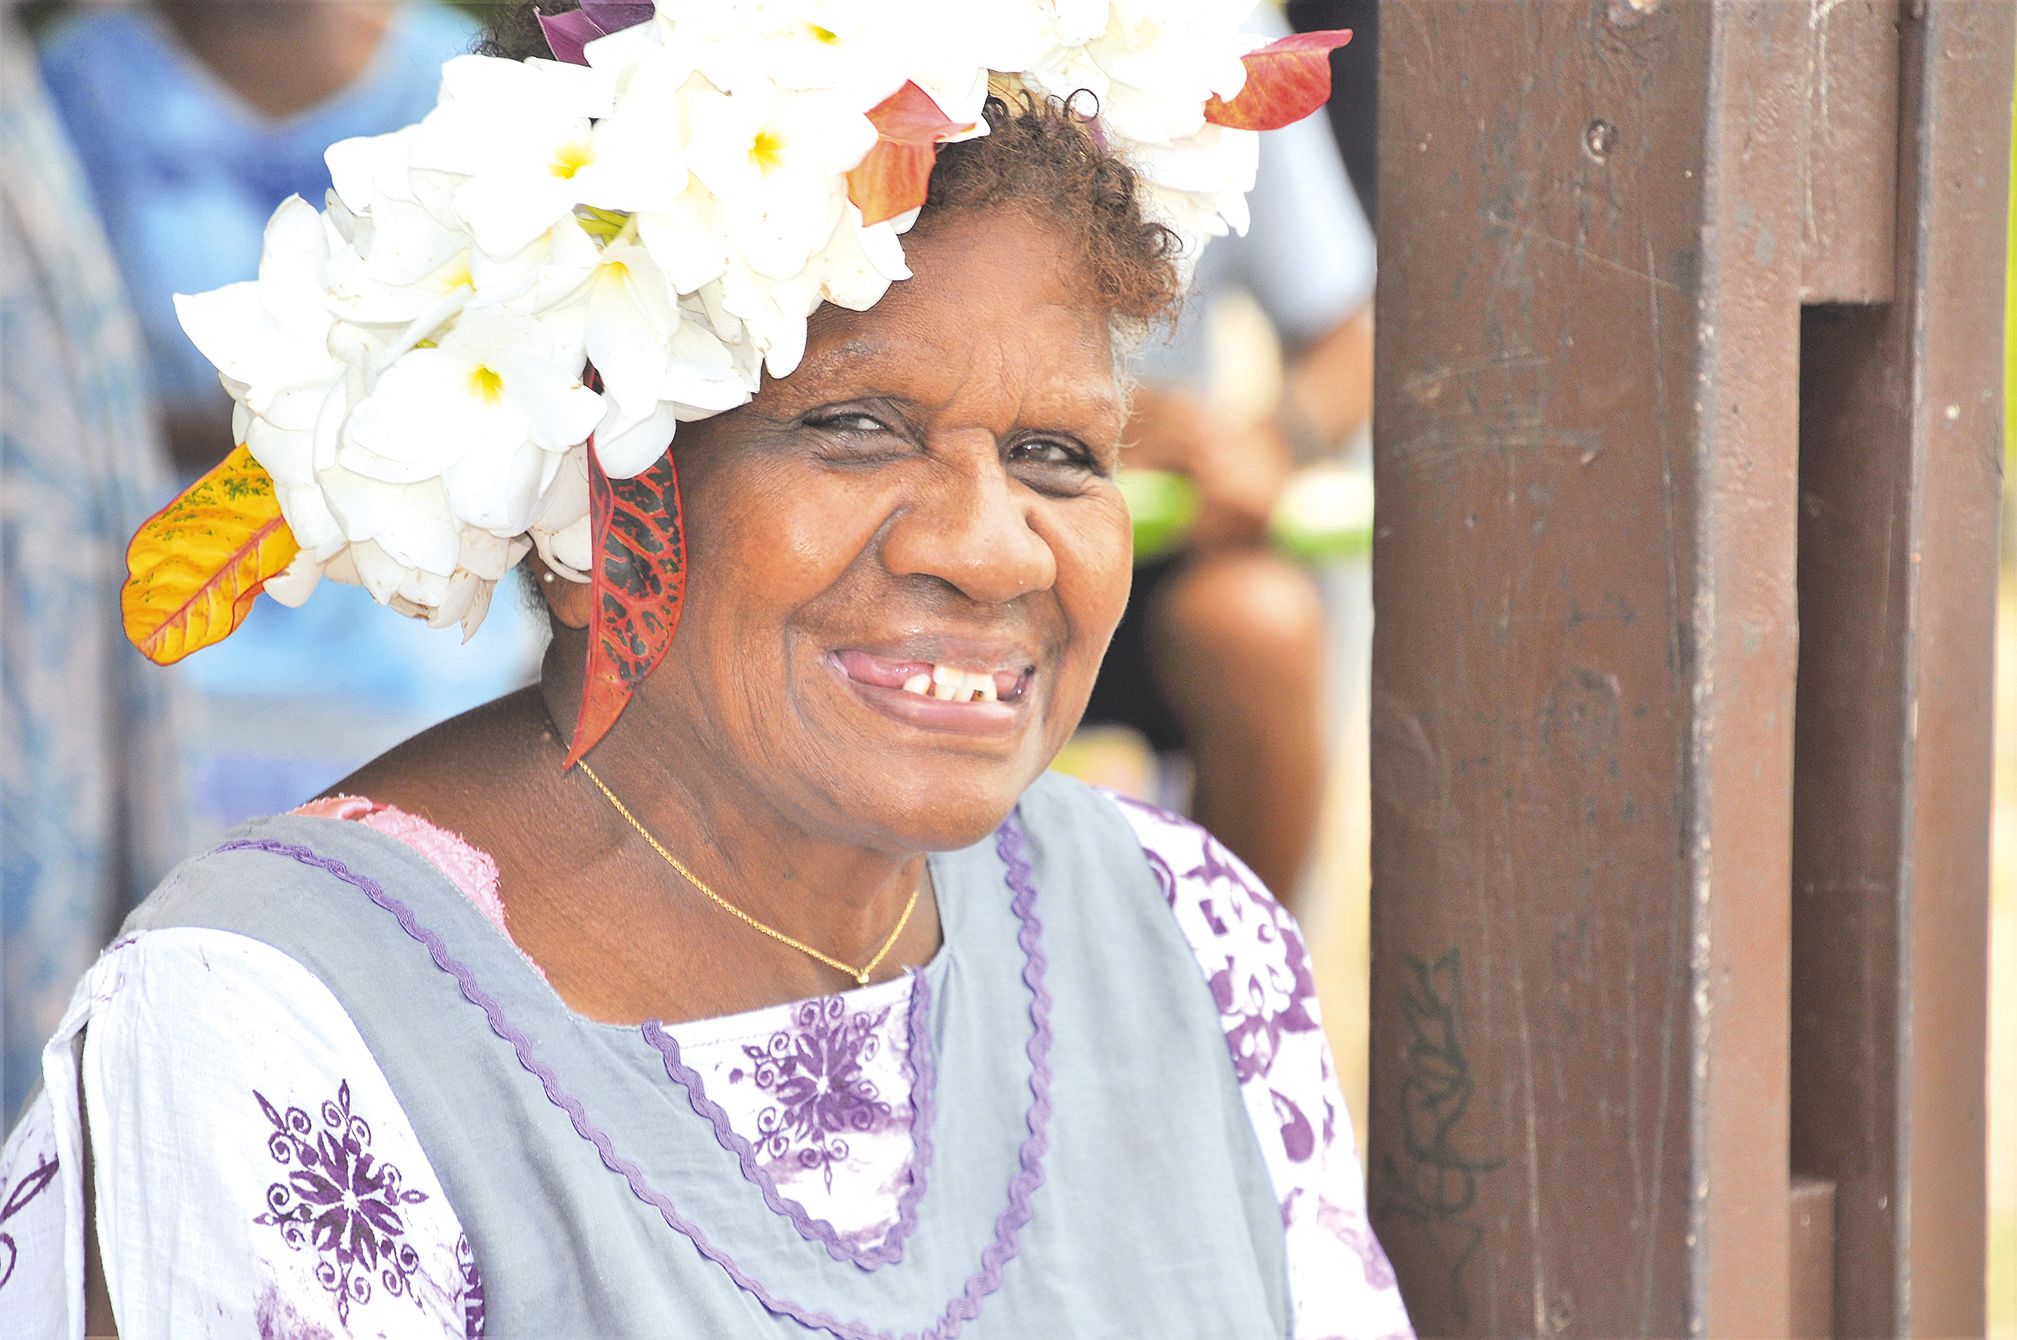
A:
(896, 174)
(195, 566)
(637, 585)
(1286, 80)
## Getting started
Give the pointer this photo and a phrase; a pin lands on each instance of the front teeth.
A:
(951, 684)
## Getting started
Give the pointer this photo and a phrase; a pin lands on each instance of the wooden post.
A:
(1612, 1015)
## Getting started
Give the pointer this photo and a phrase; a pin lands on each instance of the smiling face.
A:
(906, 559)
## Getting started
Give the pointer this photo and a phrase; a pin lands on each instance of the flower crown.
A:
(484, 343)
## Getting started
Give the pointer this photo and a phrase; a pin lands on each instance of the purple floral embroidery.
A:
(1298, 1139)
(18, 1195)
(815, 1071)
(472, 1289)
(340, 1199)
(1264, 988)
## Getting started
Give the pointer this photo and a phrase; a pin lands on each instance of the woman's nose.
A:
(969, 525)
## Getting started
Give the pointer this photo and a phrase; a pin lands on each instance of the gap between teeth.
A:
(948, 684)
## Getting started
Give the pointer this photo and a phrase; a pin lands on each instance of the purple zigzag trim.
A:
(1009, 845)
(922, 1078)
(979, 1285)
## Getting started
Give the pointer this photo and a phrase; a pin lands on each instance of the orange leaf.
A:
(1286, 80)
(896, 173)
(195, 565)
(638, 584)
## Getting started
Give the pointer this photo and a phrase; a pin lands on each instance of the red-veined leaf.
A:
(566, 34)
(193, 568)
(895, 175)
(637, 585)
(1286, 80)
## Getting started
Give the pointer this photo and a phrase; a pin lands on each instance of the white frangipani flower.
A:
(533, 140)
(632, 313)
(777, 161)
(1019, 37)
(271, 335)
(861, 262)
(1198, 186)
(864, 50)
(409, 365)
(478, 410)
(1162, 61)
(560, 527)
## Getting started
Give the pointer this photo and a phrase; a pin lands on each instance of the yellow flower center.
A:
(824, 36)
(602, 223)
(486, 385)
(767, 150)
(454, 275)
(569, 159)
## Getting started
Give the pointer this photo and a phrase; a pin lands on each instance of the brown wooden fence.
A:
(1688, 446)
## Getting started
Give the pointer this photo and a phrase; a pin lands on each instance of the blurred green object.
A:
(1325, 514)
(1164, 506)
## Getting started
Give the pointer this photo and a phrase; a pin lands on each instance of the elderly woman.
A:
(806, 1001)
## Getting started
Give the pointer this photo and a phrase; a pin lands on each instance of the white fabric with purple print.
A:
(287, 1195)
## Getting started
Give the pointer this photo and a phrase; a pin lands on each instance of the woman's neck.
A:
(840, 894)
(281, 56)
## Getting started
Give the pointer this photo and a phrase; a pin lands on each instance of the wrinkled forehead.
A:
(999, 316)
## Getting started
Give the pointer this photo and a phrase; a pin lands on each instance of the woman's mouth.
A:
(969, 693)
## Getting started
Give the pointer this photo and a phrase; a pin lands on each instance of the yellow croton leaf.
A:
(194, 567)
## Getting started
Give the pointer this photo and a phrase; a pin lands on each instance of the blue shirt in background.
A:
(186, 174)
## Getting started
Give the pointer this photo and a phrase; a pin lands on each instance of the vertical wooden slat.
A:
(1747, 385)
(1958, 89)
(1583, 662)
(1852, 160)
(1811, 1276)
(1900, 473)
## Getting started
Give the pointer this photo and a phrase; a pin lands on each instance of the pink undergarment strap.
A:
(469, 868)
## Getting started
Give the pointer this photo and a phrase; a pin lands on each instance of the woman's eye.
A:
(1050, 452)
(850, 421)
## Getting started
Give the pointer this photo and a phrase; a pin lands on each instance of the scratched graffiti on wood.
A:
(1440, 1186)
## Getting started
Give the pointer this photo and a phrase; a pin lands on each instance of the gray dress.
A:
(1083, 1167)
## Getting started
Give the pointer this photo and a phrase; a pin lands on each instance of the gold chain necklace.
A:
(860, 975)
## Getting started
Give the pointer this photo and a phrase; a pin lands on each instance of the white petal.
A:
(479, 606)
(421, 532)
(296, 582)
(487, 555)
(573, 549)
(308, 515)
(495, 490)
(377, 572)
(635, 449)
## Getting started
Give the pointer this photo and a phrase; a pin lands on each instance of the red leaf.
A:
(638, 584)
(567, 34)
(896, 173)
(1286, 80)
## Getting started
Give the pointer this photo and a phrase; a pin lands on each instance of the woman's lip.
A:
(970, 718)
(1011, 673)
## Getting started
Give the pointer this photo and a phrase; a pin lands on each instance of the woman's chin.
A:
(934, 806)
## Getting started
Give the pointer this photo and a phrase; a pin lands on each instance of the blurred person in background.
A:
(194, 118)
(1220, 655)
(93, 808)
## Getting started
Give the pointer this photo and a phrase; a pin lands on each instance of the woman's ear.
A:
(570, 602)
